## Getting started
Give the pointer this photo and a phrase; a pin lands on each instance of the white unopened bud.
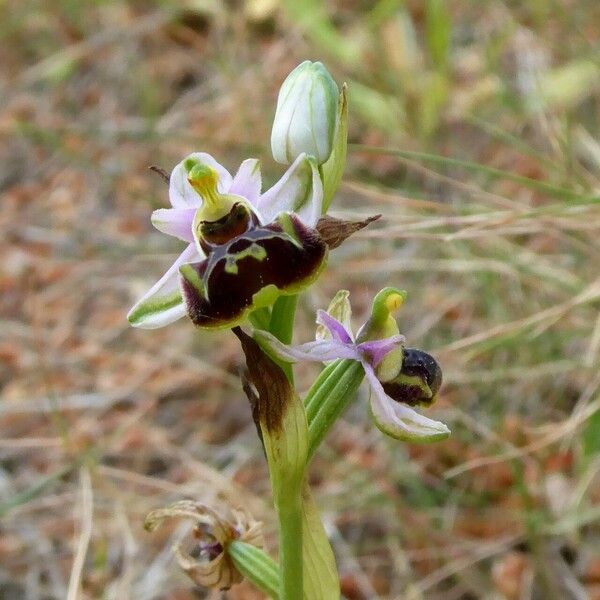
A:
(306, 114)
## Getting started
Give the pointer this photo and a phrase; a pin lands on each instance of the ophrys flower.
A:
(209, 209)
(210, 565)
(399, 378)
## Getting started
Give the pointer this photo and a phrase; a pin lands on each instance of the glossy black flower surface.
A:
(419, 379)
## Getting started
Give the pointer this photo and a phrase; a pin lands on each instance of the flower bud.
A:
(306, 114)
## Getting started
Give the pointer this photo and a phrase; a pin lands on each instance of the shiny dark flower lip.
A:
(299, 190)
(251, 270)
(419, 380)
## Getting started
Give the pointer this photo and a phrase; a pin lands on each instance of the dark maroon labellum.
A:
(419, 372)
(251, 268)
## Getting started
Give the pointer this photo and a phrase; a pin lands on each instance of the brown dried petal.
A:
(274, 389)
(336, 231)
(251, 270)
(218, 572)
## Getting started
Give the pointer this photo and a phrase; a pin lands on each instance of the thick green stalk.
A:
(256, 566)
(289, 512)
(329, 396)
(281, 326)
(289, 500)
(282, 318)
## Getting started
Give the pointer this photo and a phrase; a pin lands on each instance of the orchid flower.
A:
(398, 377)
(213, 564)
(203, 196)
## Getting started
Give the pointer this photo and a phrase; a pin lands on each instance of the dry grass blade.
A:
(85, 534)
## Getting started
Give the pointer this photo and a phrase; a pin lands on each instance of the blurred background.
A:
(475, 132)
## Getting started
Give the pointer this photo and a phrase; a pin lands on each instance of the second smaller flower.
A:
(399, 377)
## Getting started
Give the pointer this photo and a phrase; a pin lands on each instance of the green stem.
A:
(329, 396)
(289, 511)
(260, 318)
(288, 503)
(322, 387)
(282, 318)
(281, 326)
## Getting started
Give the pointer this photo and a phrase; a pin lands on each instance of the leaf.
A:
(437, 32)
(312, 18)
(279, 412)
(321, 581)
(37, 489)
(256, 566)
(437, 159)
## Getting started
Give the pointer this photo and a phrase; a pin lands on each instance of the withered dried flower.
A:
(209, 563)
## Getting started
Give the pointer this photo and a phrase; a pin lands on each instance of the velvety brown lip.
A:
(235, 271)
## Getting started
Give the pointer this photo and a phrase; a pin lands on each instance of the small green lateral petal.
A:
(339, 308)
